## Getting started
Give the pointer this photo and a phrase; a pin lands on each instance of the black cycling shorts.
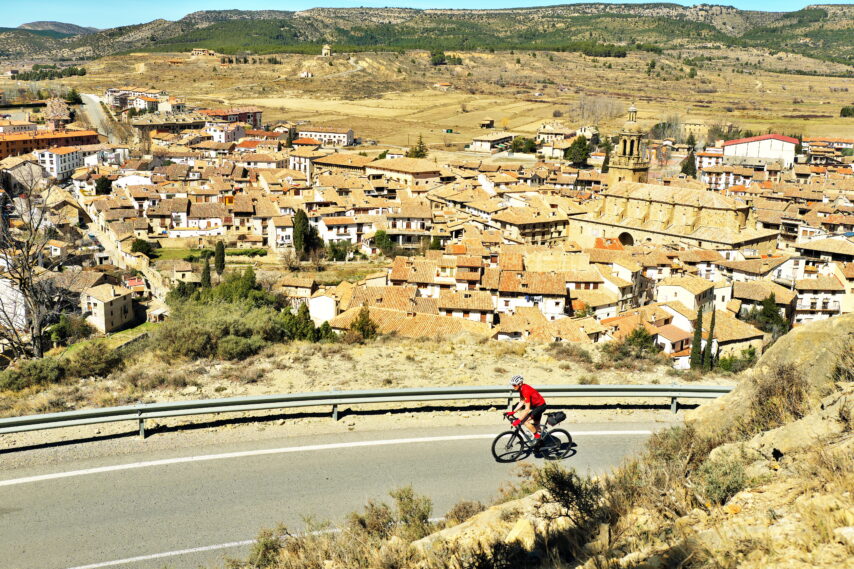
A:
(537, 412)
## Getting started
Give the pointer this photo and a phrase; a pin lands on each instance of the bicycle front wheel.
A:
(507, 447)
(557, 444)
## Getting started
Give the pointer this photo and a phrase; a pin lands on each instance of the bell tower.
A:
(628, 160)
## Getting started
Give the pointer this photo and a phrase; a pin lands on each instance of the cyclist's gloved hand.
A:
(510, 413)
(517, 422)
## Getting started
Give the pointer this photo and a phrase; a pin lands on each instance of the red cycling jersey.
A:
(531, 395)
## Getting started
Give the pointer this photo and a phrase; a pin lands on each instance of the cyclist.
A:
(530, 401)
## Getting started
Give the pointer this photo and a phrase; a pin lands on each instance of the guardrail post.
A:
(141, 423)
(674, 404)
(335, 412)
(509, 403)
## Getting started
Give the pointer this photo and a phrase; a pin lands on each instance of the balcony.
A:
(818, 306)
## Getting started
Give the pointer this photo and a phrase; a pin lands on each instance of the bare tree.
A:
(594, 109)
(30, 299)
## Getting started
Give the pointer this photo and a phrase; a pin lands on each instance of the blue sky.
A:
(101, 14)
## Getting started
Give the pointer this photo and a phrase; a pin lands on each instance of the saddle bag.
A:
(555, 418)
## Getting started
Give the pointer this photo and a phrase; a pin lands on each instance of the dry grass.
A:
(393, 100)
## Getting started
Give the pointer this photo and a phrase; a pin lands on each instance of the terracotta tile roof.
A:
(528, 282)
(394, 297)
(465, 300)
(419, 325)
(595, 298)
(694, 285)
(759, 290)
(825, 283)
(522, 320)
(728, 328)
(755, 266)
(295, 282)
(106, 292)
(406, 165)
(567, 330)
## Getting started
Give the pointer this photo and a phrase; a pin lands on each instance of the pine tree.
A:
(419, 150)
(363, 324)
(697, 343)
(578, 152)
(691, 142)
(707, 353)
(219, 258)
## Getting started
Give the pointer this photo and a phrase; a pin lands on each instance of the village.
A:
(572, 236)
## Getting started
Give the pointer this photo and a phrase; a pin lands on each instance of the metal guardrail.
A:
(143, 411)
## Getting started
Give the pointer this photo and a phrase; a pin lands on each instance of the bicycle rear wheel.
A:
(557, 444)
(507, 447)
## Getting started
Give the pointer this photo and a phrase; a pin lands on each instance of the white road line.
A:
(196, 550)
(166, 554)
(261, 452)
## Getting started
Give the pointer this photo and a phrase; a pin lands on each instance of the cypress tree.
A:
(689, 166)
(206, 274)
(606, 163)
(707, 353)
(696, 344)
(300, 232)
(219, 258)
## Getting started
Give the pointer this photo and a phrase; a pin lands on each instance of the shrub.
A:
(71, 328)
(238, 348)
(43, 371)
(569, 352)
(265, 550)
(633, 351)
(378, 521)
(780, 395)
(94, 360)
(142, 246)
(413, 513)
(463, 511)
(721, 479)
(581, 498)
(654, 480)
(736, 364)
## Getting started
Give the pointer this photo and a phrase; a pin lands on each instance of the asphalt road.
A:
(70, 517)
(92, 107)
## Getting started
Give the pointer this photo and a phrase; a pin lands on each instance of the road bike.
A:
(510, 446)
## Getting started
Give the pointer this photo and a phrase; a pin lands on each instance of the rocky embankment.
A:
(761, 478)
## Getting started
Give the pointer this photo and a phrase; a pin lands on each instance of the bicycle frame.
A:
(527, 440)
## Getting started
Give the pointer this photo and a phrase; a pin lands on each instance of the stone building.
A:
(628, 159)
(635, 213)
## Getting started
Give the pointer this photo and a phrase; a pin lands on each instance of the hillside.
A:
(761, 478)
(60, 27)
(824, 32)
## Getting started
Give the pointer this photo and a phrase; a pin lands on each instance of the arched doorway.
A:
(626, 239)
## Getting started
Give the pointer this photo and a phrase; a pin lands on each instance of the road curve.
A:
(92, 108)
(208, 504)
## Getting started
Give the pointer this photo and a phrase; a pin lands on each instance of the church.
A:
(635, 212)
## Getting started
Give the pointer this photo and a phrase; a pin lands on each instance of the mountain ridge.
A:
(60, 27)
(821, 31)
